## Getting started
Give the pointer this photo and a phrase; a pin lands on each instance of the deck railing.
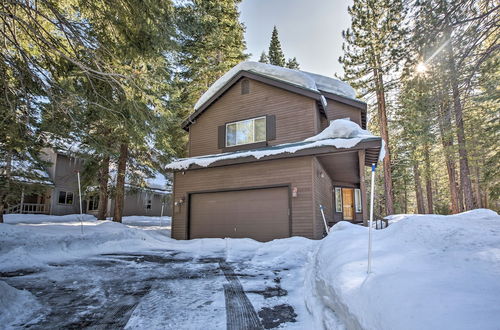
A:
(28, 208)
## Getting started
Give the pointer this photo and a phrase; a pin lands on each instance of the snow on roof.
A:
(26, 171)
(341, 133)
(311, 81)
(158, 182)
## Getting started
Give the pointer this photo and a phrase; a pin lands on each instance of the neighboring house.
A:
(250, 172)
(61, 195)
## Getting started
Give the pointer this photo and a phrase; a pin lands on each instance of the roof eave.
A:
(372, 145)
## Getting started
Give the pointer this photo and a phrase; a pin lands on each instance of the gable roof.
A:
(304, 83)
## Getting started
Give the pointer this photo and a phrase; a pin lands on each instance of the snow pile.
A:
(429, 272)
(145, 221)
(16, 306)
(341, 128)
(341, 133)
(44, 218)
(31, 246)
(310, 81)
(332, 85)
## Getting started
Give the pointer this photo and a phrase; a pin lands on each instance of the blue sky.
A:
(310, 30)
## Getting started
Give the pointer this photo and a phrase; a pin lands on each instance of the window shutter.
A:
(270, 127)
(221, 140)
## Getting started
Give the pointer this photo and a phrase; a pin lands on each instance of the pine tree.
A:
(264, 58)
(293, 64)
(275, 54)
(372, 48)
(211, 42)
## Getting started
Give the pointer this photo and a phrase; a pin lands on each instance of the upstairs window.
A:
(246, 131)
(65, 197)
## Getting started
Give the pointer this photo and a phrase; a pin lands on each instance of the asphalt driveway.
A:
(158, 289)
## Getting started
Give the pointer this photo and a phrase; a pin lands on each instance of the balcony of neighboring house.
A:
(31, 204)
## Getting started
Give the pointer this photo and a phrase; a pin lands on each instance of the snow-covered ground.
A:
(180, 285)
(429, 272)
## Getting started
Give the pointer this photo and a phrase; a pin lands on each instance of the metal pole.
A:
(324, 220)
(369, 270)
(80, 199)
(161, 214)
(22, 202)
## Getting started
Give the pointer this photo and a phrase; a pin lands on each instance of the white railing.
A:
(30, 208)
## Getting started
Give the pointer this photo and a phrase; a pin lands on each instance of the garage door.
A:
(261, 214)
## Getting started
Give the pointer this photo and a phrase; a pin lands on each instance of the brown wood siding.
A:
(295, 172)
(295, 116)
(322, 192)
(337, 110)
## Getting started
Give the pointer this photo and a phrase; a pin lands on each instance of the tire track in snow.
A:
(240, 313)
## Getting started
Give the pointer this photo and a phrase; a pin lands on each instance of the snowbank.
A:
(44, 218)
(16, 306)
(34, 245)
(307, 80)
(429, 272)
(341, 133)
(144, 221)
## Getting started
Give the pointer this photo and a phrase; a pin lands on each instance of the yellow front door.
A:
(348, 203)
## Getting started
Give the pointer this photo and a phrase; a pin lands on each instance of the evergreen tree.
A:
(264, 58)
(372, 48)
(211, 42)
(293, 64)
(275, 54)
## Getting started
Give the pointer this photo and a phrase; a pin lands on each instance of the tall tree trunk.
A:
(428, 179)
(5, 190)
(120, 183)
(382, 115)
(477, 175)
(405, 196)
(418, 189)
(444, 120)
(466, 185)
(103, 188)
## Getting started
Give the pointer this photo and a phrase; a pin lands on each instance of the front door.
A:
(348, 203)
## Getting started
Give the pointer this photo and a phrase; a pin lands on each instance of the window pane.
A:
(244, 132)
(357, 200)
(62, 197)
(69, 198)
(260, 129)
(338, 199)
(230, 135)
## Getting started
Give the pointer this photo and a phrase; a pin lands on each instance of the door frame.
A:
(288, 186)
(339, 216)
